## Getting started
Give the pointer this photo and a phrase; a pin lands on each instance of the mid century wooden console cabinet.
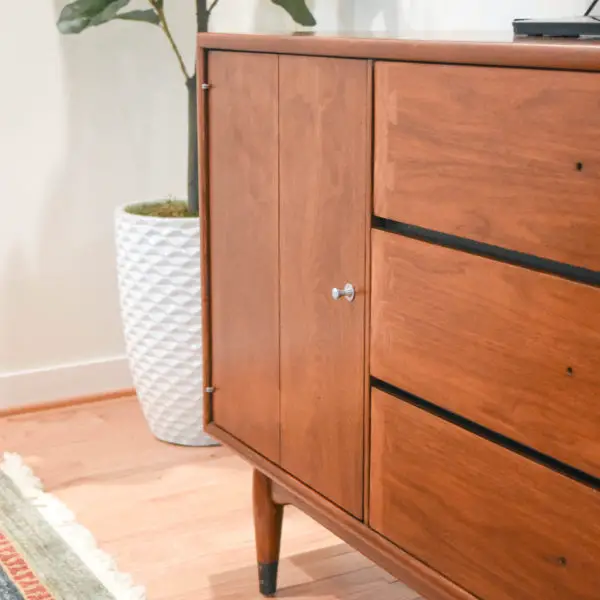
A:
(401, 306)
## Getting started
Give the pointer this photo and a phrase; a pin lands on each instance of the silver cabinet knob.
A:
(348, 293)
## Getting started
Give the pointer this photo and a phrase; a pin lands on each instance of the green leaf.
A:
(109, 13)
(145, 16)
(298, 10)
(81, 14)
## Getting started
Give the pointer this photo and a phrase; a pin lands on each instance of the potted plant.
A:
(158, 253)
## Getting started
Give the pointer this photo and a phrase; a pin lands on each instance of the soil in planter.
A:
(174, 209)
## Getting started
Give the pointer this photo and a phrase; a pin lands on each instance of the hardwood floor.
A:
(180, 519)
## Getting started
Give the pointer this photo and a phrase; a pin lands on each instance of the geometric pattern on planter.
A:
(158, 270)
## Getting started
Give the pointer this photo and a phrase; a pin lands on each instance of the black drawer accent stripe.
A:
(513, 257)
(488, 434)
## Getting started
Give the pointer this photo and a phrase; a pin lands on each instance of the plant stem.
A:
(212, 7)
(193, 191)
(165, 27)
(201, 16)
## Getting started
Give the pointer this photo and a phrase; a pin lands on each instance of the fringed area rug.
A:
(44, 553)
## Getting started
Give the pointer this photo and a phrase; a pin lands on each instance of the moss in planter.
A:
(174, 209)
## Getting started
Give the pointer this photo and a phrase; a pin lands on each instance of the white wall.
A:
(92, 121)
(400, 16)
(86, 123)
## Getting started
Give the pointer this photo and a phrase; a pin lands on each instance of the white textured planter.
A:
(158, 267)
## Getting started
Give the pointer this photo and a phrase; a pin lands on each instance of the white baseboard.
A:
(38, 386)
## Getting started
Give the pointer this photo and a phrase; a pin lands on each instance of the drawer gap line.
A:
(489, 435)
(512, 257)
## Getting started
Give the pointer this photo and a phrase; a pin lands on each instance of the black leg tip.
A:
(267, 576)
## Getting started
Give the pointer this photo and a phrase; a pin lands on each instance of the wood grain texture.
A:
(244, 216)
(324, 185)
(268, 519)
(472, 48)
(496, 523)
(387, 555)
(180, 519)
(65, 402)
(204, 208)
(280, 495)
(513, 350)
(455, 153)
(268, 522)
(367, 360)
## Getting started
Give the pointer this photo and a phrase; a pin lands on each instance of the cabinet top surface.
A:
(496, 48)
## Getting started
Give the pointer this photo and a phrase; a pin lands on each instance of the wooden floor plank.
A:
(179, 519)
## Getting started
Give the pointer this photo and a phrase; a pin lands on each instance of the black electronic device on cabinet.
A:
(584, 26)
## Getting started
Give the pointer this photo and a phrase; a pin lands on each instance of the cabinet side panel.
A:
(244, 215)
(324, 191)
(204, 209)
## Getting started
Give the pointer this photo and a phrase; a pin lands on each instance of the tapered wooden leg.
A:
(268, 520)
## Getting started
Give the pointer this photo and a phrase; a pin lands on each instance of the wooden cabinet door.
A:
(324, 182)
(244, 247)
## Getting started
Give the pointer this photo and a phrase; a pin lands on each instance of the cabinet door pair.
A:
(289, 144)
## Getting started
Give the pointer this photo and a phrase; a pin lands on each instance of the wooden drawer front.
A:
(495, 523)
(492, 154)
(511, 349)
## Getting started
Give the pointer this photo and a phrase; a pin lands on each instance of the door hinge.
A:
(206, 86)
(210, 390)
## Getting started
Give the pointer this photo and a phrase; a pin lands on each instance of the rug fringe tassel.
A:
(120, 585)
